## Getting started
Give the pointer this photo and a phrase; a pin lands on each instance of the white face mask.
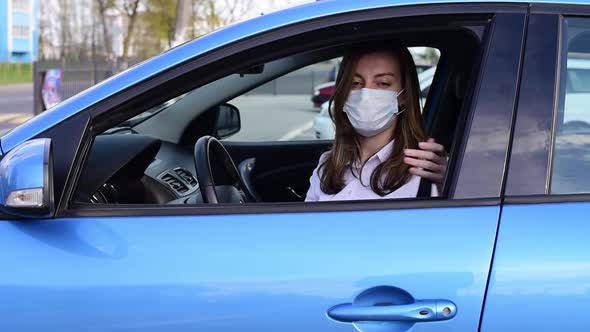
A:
(371, 111)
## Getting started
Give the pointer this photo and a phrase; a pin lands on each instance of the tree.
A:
(65, 33)
(102, 7)
(181, 22)
(129, 8)
(210, 15)
(159, 20)
(167, 23)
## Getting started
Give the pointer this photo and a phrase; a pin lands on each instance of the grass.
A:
(11, 73)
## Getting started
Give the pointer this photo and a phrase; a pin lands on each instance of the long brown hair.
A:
(409, 130)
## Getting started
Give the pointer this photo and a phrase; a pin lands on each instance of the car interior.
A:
(179, 150)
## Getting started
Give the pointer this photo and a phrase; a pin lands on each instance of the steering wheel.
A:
(219, 179)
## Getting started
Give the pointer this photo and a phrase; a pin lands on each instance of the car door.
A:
(377, 265)
(540, 275)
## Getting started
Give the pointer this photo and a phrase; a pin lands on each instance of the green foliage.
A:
(16, 73)
(155, 32)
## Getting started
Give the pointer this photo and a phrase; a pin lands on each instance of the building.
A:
(18, 31)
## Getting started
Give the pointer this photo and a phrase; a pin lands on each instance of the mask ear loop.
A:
(403, 108)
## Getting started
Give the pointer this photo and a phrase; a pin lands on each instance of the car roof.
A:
(204, 44)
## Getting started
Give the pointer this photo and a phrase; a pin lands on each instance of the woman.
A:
(380, 149)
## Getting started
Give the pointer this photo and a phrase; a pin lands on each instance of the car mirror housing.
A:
(26, 180)
(227, 121)
(258, 69)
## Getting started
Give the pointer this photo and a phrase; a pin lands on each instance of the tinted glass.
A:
(571, 156)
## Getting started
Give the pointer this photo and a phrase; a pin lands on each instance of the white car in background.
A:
(323, 126)
(577, 94)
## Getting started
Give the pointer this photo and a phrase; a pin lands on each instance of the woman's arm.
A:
(313, 194)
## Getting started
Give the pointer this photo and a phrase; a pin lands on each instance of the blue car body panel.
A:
(266, 272)
(541, 274)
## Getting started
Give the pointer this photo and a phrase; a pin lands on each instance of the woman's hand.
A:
(429, 162)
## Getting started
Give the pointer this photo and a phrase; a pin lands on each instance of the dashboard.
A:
(137, 169)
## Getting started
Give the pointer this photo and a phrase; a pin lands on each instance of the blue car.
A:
(170, 197)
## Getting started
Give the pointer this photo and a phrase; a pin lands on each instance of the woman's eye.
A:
(356, 85)
(384, 84)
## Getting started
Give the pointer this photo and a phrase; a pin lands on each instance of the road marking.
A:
(20, 119)
(8, 116)
(14, 118)
(296, 132)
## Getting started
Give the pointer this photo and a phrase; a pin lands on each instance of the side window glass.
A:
(297, 103)
(571, 156)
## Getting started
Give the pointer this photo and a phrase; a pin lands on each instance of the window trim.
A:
(537, 189)
(558, 107)
(89, 210)
(489, 97)
(558, 100)
(72, 209)
(528, 168)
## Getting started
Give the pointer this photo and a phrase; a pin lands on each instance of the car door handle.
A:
(418, 311)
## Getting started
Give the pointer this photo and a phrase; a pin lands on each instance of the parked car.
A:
(323, 126)
(322, 93)
(123, 211)
(577, 93)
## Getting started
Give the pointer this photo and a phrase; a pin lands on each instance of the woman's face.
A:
(377, 70)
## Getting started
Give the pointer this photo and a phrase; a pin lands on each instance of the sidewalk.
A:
(16, 87)
(16, 105)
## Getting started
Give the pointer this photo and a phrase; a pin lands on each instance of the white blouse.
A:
(356, 189)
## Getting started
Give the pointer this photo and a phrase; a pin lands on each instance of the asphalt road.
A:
(275, 118)
(16, 105)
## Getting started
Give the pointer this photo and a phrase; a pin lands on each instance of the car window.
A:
(153, 157)
(297, 103)
(571, 156)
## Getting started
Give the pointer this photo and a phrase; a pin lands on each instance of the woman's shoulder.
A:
(324, 156)
(317, 172)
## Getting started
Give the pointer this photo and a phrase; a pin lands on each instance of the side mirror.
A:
(26, 180)
(227, 121)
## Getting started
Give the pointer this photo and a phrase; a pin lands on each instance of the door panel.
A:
(255, 271)
(540, 280)
(267, 272)
(541, 275)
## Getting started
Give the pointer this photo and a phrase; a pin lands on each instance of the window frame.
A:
(529, 177)
(104, 108)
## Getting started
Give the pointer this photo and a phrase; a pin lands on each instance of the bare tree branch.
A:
(130, 10)
(103, 5)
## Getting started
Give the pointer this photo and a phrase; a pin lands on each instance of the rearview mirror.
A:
(258, 69)
(26, 180)
(227, 122)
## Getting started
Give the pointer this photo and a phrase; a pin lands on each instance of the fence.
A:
(77, 78)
